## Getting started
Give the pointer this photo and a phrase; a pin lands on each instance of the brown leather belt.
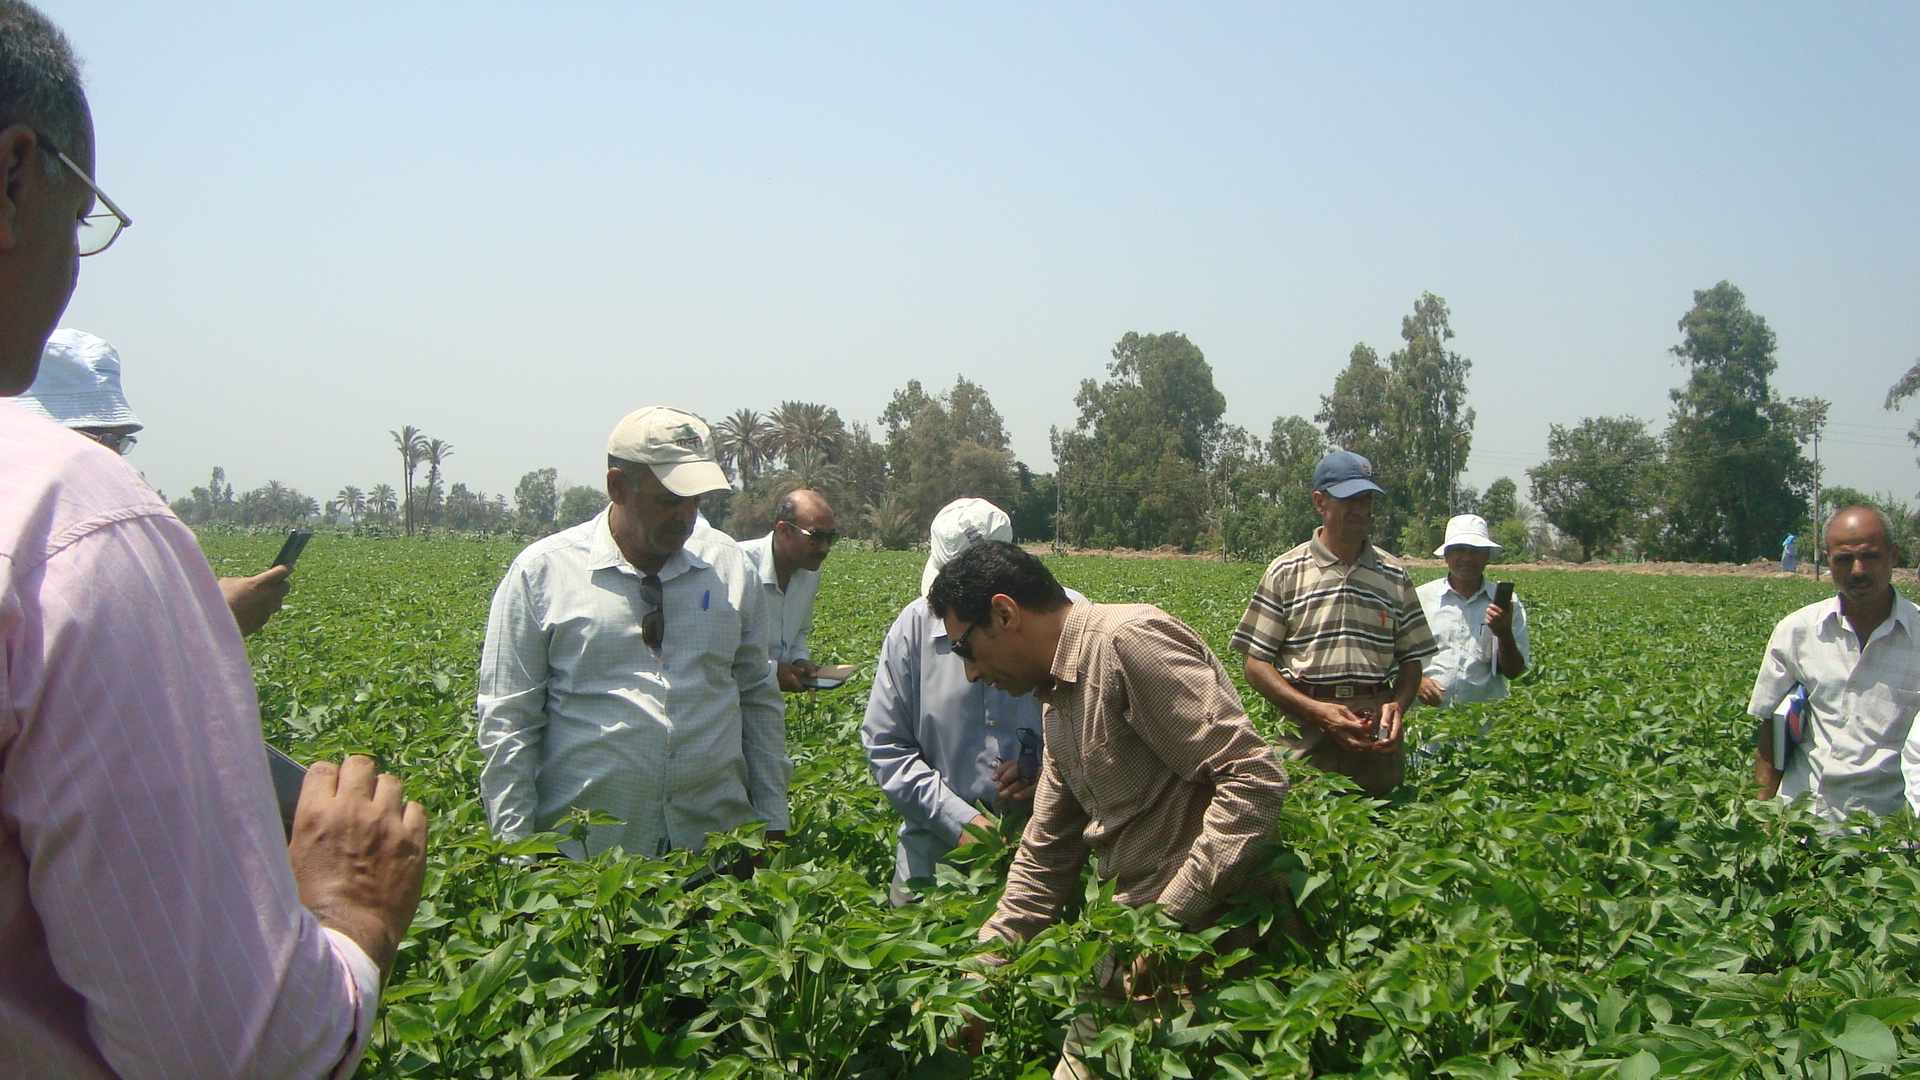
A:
(1341, 691)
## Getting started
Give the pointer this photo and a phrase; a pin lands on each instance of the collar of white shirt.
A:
(603, 554)
(1905, 615)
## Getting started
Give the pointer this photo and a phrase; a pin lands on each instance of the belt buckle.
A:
(1344, 690)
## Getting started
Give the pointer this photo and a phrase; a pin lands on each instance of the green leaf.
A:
(1641, 1066)
(1863, 1036)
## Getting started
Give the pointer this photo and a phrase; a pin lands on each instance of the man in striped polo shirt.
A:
(1335, 634)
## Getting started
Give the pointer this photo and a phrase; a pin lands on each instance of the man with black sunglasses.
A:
(788, 560)
(626, 664)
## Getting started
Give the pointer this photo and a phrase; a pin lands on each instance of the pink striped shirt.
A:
(149, 921)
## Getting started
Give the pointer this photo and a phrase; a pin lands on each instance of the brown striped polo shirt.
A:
(1152, 765)
(1319, 620)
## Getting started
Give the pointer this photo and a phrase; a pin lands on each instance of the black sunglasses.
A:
(653, 623)
(959, 645)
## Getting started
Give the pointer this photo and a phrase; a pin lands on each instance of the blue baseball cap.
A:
(1344, 474)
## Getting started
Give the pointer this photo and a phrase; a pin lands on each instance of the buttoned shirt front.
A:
(150, 924)
(1467, 663)
(576, 711)
(933, 739)
(1318, 619)
(1151, 764)
(1861, 702)
(789, 610)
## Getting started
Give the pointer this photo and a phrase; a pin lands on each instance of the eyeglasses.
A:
(653, 623)
(94, 233)
(1029, 759)
(960, 647)
(823, 537)
(120, 442)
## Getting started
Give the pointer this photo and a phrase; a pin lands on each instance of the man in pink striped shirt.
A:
(153, 922)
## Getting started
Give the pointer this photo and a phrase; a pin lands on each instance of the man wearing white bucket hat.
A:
(626, 668)
(943, 749)
(79, 388)
(1482, 645)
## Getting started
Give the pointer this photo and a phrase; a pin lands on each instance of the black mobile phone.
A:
(1503, 595)
(288, 776)
(290, 551)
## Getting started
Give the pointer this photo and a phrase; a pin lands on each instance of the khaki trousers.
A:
(1376, 773)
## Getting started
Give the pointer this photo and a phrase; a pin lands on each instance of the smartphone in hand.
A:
(288, 777)
(1503, 595)
(290, 551)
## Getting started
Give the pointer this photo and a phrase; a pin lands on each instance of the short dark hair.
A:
(967, 585)
(40, 81)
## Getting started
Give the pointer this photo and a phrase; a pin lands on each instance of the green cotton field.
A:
(1589, 891)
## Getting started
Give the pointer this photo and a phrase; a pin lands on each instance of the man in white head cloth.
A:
(79, 388)
(1482, 645)
(626, 669)
(948, 753)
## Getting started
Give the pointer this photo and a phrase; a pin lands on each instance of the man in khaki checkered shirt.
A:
(1151, 764)
(1335, 634)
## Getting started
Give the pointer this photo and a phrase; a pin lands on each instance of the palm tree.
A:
(411, 444)
(744, 441)
(811, 469)
(353, 501)
(804, 425)
(436, 451)
(381, 501)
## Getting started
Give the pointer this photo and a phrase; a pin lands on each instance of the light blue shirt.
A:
(934, 739)
(576, 711)
(1468, 663)
(789, 613)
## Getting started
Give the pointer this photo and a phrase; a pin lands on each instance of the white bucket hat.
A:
(1467, 529)
(958, 526)
(677, 445)
(79, 384)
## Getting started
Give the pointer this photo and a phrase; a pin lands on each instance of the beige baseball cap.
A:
(677, 445)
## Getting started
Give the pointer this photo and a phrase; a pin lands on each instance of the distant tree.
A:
(383, 503)
(1904, 388)
(1501, 502)
(472, 511)
(436, 452)
(1734, 480)
(537, 498)
(1133, 468)
(411, 445)
(215, 502)
(1592, 486)
(351, 501)
(578, 503)
(1266, 488)
(891, 522)
(1033, 505)
(804, 426)
(1409, 418)
(745, 443)
(940, 447)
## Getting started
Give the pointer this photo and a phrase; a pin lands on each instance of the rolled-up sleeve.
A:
(136, 791)
(512, 710)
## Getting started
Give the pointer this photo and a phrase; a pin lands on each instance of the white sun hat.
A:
(79, 384)
(1467, 529)
(677, 445)
(958, 526)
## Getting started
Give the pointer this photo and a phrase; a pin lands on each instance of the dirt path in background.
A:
(1759, 568)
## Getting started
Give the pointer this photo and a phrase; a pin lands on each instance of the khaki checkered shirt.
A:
(1151, 764)
(1319, 620)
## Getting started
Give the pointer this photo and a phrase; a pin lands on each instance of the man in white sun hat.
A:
(78, 387)
(947, 752)
(1482, 645)
(626, 667)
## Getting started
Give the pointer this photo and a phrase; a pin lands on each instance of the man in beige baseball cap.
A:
(626, 664)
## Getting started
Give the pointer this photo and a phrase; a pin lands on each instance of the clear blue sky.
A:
(508, 225)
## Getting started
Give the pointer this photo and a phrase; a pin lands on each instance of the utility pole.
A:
(1819, 416)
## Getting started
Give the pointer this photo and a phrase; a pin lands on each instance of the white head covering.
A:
(1468, 529)
(677, 445)
(79, 384)
(958, 526)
